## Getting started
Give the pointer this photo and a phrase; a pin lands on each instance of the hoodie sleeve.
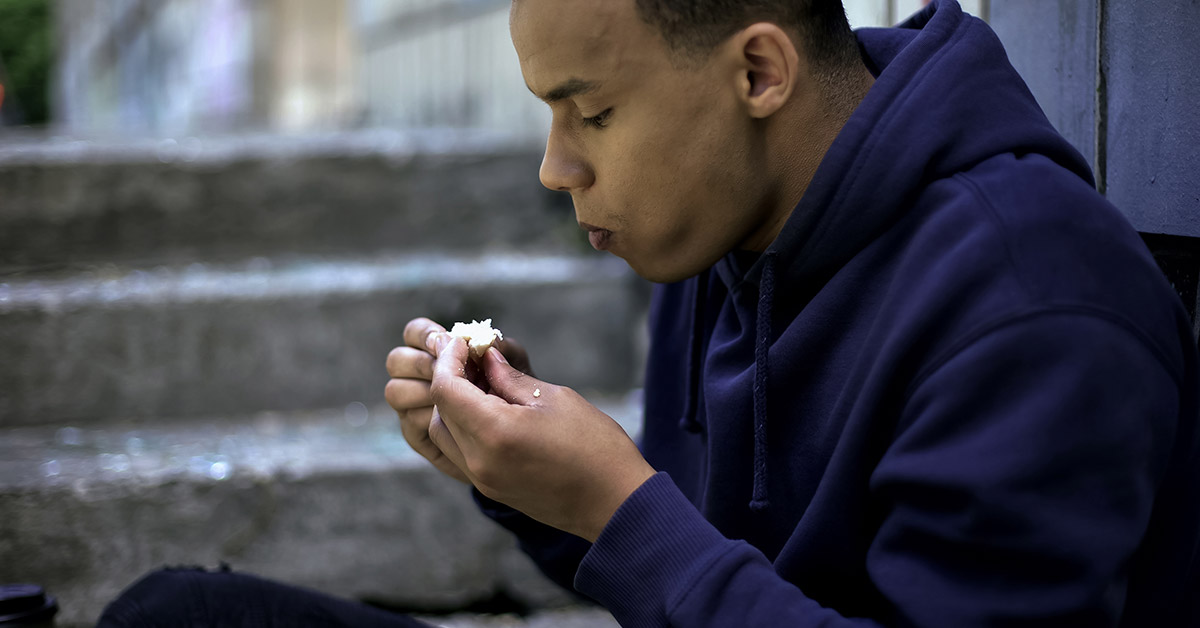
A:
(1019, 482)
(660, 563)
(556, 553)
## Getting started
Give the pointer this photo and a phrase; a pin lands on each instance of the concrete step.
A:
(201, 340)
(569, 617)
(71, 203)
(559, 618)
(333, 500)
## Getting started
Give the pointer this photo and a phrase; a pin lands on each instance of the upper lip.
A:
(591, 227)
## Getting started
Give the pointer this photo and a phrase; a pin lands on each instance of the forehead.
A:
(589, 40)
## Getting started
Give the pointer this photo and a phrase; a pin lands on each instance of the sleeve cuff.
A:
(652, 548)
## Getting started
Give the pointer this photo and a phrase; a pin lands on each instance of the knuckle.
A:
(415, 420)
(417, 330)
(431, 453)
(424, 365)
(391, 392)
(403, 394)
(425, 446)
(415, 325)
(416, 438)
(406, 362)
(395, 358)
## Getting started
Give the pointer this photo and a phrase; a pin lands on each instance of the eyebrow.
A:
(570, 88)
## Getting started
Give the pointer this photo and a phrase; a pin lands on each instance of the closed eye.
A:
(600, 120)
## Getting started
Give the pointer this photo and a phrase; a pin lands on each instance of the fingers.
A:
(414, 407)
(465, 406)
(410, 398)
(509, 383)
(516, 355)
(409, 393)
(449, 387)
(419, 335)
(415, 425)
(440, 436)
(417, 332)
(405, 394)
(411, 363)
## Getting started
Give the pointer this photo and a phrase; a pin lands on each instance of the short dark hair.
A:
(693, 28)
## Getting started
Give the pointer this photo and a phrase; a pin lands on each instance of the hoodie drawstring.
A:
(762, 345)
(695, 359)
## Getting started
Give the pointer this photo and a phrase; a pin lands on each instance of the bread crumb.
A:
(537, 392)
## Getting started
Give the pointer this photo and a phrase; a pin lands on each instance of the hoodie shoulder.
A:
(1043, 239)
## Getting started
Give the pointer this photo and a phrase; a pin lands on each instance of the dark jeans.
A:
(196, 598)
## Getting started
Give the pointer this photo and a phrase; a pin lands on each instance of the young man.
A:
(907, 368)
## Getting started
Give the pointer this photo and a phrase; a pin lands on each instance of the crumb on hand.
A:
(537, 392)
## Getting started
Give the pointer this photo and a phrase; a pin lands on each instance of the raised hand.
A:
(407, 392)
(537, 447)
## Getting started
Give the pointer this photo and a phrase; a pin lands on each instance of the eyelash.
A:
(600, 120)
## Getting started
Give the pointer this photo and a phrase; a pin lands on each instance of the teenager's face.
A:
(663, 163)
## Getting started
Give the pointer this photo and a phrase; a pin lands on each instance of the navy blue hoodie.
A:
(955, 391)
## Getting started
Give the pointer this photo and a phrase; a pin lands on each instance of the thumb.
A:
(509, 383)
(449, 388)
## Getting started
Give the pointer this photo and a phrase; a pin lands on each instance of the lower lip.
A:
(600, 239)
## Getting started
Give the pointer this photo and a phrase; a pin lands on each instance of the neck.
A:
(801, 140)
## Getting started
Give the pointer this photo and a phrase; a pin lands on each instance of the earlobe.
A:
(770, 63)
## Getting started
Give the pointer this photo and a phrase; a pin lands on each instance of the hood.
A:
(945, 99)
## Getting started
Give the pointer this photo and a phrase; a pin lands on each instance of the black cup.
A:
(26, 605)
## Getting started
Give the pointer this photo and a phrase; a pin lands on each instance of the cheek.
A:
(709, 172)
(676, 179)
(677, 174)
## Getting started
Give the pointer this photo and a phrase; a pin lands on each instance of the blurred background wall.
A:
(215, 66)
(170, 67)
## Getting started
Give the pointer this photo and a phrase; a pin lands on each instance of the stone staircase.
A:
(193, 334)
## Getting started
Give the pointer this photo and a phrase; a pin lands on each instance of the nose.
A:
(563, 167)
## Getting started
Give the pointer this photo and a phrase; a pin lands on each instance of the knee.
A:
(161, 597)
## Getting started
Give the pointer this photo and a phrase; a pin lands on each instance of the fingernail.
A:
(441, 341)
(499, 356)
(431, 341)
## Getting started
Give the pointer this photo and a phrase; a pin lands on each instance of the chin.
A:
(663, 273)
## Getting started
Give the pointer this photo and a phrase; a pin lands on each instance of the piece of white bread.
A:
(479, 336)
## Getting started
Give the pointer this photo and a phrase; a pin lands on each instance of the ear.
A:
(768, 68)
